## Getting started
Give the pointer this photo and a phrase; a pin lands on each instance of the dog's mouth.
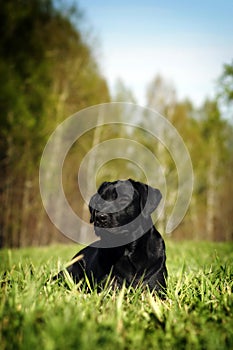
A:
(115, 229)
(113, 235)
(118, 236)
(109, 228)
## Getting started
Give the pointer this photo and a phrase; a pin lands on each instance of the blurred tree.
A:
(213, 135)
(209, 145)
(161, 96)
(47, 72)
(122, 93)
(24, 76)
(209, 139)
(225, 87)
(226, 82)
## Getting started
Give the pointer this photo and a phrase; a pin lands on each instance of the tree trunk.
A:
(211, 195)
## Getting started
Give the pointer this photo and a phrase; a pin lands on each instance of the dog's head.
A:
(121, 206)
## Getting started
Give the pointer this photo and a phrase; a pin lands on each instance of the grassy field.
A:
(197, 314)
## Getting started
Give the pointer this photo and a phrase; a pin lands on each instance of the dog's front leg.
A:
(124, 272)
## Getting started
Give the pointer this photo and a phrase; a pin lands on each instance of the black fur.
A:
(138, 257)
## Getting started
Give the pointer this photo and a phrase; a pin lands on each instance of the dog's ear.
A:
(149, 197)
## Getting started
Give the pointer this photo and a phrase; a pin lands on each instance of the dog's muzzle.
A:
(102, 220)
(107, 227)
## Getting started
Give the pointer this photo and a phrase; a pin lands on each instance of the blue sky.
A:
(185, 42)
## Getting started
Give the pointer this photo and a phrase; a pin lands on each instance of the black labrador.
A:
(130, 249)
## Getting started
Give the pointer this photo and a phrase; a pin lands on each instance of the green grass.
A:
(197, 314)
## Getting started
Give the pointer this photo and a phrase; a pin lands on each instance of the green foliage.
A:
(24, 70)
(47, 73)
(38, 47)
(209, 139)
(123, 93)
(197, 313)
(226, 82)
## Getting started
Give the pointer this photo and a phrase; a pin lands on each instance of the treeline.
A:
(48, 71)
(208, 134)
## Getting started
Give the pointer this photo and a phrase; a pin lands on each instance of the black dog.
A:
(130, 249)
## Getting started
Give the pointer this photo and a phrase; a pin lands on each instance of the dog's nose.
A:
(101, 218)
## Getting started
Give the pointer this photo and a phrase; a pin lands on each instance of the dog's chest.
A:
(127, 252)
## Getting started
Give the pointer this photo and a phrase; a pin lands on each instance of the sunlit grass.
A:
(197, 314)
